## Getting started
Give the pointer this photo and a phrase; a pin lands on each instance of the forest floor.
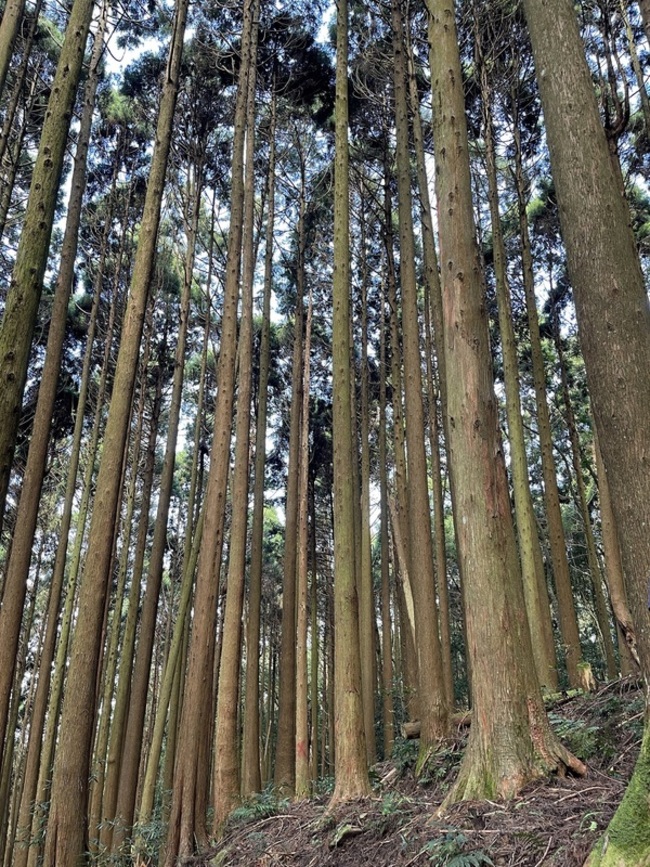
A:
(553, 823)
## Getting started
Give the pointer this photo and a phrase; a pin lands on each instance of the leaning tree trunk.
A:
(17, 572)
(24, 294)
(614, 324)
(66, 825)
(511, 741)
(351, 772)
(11, 17)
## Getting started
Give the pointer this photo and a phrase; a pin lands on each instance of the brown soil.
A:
(554, 823)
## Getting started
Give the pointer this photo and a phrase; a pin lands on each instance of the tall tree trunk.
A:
(557, 542)
(285, 747)
(127, 746)
(434, 708)
(366, 590)
(602, 614)
(251, 777)
(530, 553)
(19, 560)
(432, 308)
(66, 826)
(24, 294)
(303, 777)
(351, 772)
(226, 778)
(614, 322)
(386, 637)
(185, 824)
(644, 7)
(510, 739)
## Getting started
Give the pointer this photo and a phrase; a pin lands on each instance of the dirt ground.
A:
(553, 823)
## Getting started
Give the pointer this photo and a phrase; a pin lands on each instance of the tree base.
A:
(486, 774)
(626, 842)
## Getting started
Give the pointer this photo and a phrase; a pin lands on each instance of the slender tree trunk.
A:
(614, 323)
(124, 695)
(351, 773)
(614, 568)
(285, 747)
(433, 305)
(303, 777)
(644, 7)
(386, 642)
(366, 592)
(530, 554)
(23, 296)
(128, 742)
(566, 607)
(510, 739)
(251, 777)
(315, 644)
(226, 782)
(602, 614)
(66, 826)
(185, 823)
(25, 527)
(434, 709)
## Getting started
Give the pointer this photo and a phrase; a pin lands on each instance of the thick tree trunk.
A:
(614, 323)
(351, 772)
(510, 740)
(24, 294)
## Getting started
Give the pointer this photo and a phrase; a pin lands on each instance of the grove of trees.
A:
(324, 404)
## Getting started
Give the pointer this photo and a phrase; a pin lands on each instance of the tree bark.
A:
(351, 773)
(24, 294)
(186, 824)
(434, 709)
(614, 323)
(66, 825)
(510, 742)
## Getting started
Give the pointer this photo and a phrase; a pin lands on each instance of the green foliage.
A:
(582, 739)
(392, 803)
(447, 851)
(405, 754)
(259, 806)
